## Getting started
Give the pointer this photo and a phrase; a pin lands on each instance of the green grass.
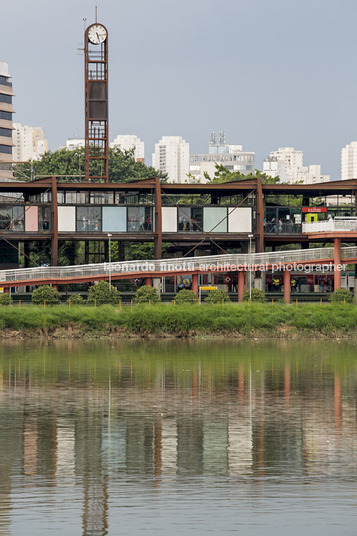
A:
(163, 319)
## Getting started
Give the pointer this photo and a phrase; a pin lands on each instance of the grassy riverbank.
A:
(187, 320)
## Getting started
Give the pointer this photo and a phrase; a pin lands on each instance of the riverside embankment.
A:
(167, 320)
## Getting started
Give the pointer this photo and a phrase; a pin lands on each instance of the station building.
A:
(190, 219)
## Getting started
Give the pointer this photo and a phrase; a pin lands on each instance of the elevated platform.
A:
(283, 260)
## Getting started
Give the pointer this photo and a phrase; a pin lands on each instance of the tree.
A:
(75, 299)
(185, 296)
(256, 295)
(68, 253)
(47, 294)
(5, 299)
(102, 293)
(217, 296)
(341, 295)
(147, 294)
(40, 253)
(122, 166)
(222, 175)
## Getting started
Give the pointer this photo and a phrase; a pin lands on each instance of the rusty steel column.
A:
(195, 283)
(158, 220)
(54, 223)
(337, 261)
(259, 231)
(287, 286)
(240, 286)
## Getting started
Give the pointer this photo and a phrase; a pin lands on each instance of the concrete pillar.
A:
(240, 286)
(195, 283)
(287, 286)
(337, 260)
(148, 281)
(156, 283)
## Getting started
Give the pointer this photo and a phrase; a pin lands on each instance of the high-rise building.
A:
(125, 142)
(172, 156)
(73, 143)
(275, 168)
(287, 163)
(219, 152)
(29, 143)
(349, 161)
(6, 126)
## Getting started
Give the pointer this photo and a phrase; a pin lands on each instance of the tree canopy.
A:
(122, 166)
(222, 174)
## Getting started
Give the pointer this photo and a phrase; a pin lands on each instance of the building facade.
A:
(74, 143)
(219, 152)
(6, 124)
(29, 143)
(287, 163)
(126, 142)
(172, 156)
(349, 161)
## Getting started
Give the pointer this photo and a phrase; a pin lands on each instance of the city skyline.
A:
(284, 79)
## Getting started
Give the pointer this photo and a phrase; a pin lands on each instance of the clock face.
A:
(97, 34)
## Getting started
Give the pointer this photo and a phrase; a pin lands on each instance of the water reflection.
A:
(87, 424)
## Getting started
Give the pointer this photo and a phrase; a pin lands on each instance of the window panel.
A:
(89, 219)
(140, 219)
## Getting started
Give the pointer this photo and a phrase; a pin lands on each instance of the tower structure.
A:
(96, 103)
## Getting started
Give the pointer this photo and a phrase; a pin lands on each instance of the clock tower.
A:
(96, 103)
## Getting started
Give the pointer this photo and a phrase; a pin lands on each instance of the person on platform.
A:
(276, 284)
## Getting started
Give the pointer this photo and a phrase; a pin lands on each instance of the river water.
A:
(197, 437)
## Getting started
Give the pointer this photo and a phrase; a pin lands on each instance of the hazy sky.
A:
(270, 73)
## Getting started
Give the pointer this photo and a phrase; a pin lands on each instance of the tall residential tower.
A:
(29, 143)
(172, 156)
(6, 126)
(349, 161)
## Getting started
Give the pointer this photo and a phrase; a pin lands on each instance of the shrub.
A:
(341, 295)
(147, 294)
(75, 299)
(217, 296)
(185, 296)
(257, 295)
(47, 294)
(5, 299)
(101, 293)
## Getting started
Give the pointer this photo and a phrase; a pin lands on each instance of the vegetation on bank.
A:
(181, 320)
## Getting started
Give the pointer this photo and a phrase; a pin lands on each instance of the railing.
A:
(340, 223)
(184, 265)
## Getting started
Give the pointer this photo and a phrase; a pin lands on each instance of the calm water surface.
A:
(178, 438)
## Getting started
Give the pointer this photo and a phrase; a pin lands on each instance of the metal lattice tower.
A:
(96, 103)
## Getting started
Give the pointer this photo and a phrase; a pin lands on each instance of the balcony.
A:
(339, 224)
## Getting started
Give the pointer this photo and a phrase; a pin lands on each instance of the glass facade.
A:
(6, 132)
(44, 197)
(190, 219)
(89, 219)
(44, 218)
(101, 198)
(12, 218)
(76, 198)
(139, 219)
(283, 220)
